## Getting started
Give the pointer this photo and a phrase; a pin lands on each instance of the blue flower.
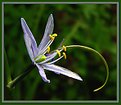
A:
(41, 55)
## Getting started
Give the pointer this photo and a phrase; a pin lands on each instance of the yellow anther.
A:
(48, 49)
(58, 52)
(54, 35)
(64, 48)
(64, 55)
(51, 37)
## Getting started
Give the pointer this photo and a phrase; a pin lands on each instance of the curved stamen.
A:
(64, 55)
(45, 48)
(48, 49)
(54, 35)
(64, 48)
(58, 52)
(51, 37)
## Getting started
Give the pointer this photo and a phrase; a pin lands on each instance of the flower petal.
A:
(28, 36)
(42, 73)
(28, 46)
(61, 70)
(48, 31)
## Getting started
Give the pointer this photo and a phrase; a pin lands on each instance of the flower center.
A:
(40, 58)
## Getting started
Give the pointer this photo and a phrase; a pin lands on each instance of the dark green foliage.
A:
(93, 25)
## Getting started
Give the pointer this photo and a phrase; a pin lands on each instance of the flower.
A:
(41, 55)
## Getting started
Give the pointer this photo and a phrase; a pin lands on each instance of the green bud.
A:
(40, 58)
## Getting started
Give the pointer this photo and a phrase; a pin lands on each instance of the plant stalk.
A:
(19, 78)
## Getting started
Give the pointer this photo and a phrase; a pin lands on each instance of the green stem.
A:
(106, 65)
(12, 83)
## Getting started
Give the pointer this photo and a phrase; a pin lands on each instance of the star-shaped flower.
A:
(41, 55)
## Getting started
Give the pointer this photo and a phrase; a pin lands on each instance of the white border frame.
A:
(62, 101)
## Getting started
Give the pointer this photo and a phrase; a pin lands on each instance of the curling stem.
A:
(106, 65)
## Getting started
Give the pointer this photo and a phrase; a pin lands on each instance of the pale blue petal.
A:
(48, 31)
(42, 73)
(29, 36)
(61, 70)
(28, 46)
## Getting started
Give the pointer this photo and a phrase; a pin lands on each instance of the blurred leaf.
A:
(7, 68)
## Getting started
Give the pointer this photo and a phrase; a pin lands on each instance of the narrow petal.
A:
(42, 73)
(61, 70)
(29, 36)
(28, 46)
(48, 31)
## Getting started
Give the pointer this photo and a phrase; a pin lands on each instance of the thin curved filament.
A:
(106, 65)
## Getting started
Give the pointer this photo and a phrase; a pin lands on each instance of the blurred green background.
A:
(93, 25)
